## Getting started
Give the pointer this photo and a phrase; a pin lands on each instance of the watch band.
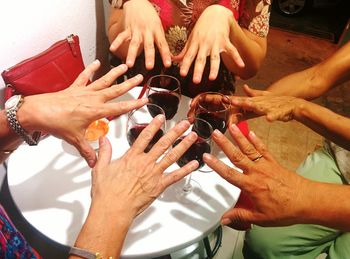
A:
(117, 3)
(16, 127)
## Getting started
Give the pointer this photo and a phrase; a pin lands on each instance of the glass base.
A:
(205, 169)
(189, 193)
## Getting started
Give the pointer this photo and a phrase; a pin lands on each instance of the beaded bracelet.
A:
(86, 254)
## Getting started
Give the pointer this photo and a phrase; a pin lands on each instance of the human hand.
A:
(276, 194)
(143, 28)
(137, 178)
(253, 92)
(209, 37)
(234, 112)
(66, 114)
(283, 108)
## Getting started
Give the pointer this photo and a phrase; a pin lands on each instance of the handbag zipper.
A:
(71, 43)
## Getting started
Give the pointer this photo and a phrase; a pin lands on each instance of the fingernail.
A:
(197, 78)
(139, 76)
(144, 100)
(226, 221)
(217, 133)
(96, 61)
(252, 134)
(234, 127)
(168, 62)
(184, 124)
(207, 156)
(102, 141)
(192, 135)
(123, 67)
(194, 164)
(149, 63)
(161, 117)
(183, 72)
(91, 163)
(129, 62)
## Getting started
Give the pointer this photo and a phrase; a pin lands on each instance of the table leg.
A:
(211, 252)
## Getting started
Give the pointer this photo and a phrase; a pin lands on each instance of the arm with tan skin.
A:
(136, 28)
(271, 187)
(123, 188)
(66, 114)
(314, 81)
(218, 35)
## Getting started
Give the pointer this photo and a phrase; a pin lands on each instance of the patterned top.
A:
(178, 18)
(12, 243)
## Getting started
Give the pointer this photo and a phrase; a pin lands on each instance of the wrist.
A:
(300, 109)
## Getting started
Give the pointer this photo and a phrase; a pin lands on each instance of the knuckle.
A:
(172, 157)
(165, 143)
(147, 134)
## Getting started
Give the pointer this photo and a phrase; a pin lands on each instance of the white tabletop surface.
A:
(50, 184)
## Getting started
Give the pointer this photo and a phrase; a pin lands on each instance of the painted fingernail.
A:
(226, 221)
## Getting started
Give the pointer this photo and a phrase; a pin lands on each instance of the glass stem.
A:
(187, 187)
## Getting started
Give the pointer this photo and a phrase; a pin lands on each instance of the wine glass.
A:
(164, 91)
(95, 130)
(214, 108)
(191, 190)
(139, 119)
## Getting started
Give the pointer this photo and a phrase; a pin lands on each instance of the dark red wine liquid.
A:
(195, 152)
(135, 131)
(167, 101)
(214, 120)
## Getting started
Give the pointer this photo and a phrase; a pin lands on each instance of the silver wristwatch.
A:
(11, 106)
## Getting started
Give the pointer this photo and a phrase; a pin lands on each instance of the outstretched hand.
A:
(209, 37)
(275, 194)
(66, 114)
(137, 178)
(143, 30)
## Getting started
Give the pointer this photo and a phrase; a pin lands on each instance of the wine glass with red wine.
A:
(191, 190)
(164, 91)
(139, 119)
(214, 108)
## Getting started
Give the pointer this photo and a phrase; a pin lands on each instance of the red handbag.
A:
(51, 70)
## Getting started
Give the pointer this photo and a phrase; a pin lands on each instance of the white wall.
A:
(29, 27)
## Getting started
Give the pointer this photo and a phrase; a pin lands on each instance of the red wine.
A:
(169, 102)
(214, 120)
(135, 131)
(195, 152)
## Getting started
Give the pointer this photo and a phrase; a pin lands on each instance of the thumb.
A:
(252, 92)
(238, 218)
(87, 152)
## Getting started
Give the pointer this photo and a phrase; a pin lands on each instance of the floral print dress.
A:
(12, 243)
(178, 18)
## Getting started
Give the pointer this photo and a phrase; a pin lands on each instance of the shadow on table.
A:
(44, 245)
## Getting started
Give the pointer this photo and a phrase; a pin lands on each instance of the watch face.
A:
(12, 102)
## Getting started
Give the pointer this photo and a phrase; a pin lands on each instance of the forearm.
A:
(327, 205)
(315, 81)
(104, 230)
(325, 122)
(251, 48)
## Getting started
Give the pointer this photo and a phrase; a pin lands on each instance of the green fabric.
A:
(302, 241)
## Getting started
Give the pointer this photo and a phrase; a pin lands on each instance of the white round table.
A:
(50, 184)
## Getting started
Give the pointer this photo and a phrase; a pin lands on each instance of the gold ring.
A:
(257, 158)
